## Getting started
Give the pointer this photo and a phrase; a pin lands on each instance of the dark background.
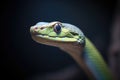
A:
(22, 57)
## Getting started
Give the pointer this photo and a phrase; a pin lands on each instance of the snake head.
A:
(56, 31)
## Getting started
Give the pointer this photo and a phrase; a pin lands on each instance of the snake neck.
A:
(75, 51)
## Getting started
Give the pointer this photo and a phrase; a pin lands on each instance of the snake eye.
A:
(57, 28)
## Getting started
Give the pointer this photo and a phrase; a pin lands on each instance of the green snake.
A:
(71, 39)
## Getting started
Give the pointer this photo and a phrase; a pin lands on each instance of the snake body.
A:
(71, 39)
(95, 62)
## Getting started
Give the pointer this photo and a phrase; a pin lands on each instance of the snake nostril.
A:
(36, 28)
(33, 29)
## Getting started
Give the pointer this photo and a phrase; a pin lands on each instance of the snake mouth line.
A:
(61, 38)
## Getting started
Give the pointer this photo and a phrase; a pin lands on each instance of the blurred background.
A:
(24, 59)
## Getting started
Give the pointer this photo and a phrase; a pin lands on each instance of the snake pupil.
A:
(57, 28)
